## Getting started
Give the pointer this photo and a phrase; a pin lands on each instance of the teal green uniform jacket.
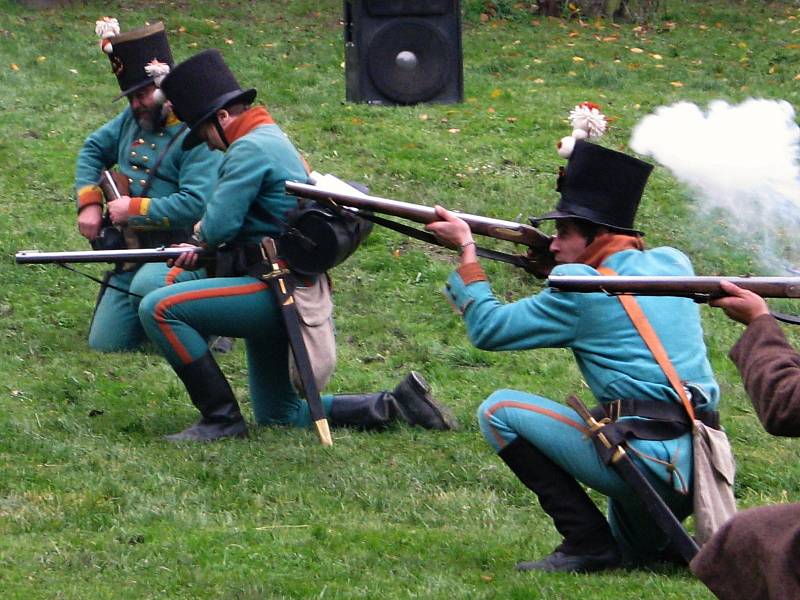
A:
(250, 199)
(184, 179)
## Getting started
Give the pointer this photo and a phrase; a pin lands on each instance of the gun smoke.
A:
(741, 162)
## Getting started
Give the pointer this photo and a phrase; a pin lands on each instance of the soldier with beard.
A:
(166, 185)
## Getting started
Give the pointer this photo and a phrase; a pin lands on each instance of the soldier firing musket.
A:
(642, 408)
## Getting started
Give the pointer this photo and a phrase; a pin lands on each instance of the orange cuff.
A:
(89, 194)
(471, 272)
(138, 206)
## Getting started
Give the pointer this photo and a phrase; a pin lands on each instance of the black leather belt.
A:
(248, 259)
(659, 420)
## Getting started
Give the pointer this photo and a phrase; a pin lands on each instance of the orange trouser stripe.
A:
(173, 274)
(166, 303)
(533, 408)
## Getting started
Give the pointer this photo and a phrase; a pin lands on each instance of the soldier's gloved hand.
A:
(89, 221)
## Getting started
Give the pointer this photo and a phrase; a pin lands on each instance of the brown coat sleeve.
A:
(770, 368)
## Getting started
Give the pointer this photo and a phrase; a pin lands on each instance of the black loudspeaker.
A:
(403, 51)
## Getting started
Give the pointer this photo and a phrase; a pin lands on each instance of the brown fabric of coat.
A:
(770, 369)
(756, 555)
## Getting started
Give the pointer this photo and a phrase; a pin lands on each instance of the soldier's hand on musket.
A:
(187, 260)
(740, 305)
(118, 210)
(451, 230)
(89, 221)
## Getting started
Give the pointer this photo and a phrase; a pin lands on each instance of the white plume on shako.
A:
(742, 161)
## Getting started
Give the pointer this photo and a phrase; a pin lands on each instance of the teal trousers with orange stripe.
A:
(180, 317)
(560, 433)
(115, 324)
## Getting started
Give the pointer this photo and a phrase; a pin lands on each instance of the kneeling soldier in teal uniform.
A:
(249, 203)
(167, 184)
(545, 443)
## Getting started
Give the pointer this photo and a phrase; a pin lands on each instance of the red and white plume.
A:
(587, 122)
(106, 28)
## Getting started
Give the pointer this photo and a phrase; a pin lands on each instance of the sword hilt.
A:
(595, 427)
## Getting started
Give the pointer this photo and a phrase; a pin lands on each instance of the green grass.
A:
(94, 504)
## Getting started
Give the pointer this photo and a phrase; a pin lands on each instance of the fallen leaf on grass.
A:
(637, 50)
(14, 67)
(454, 130)
(676, 84)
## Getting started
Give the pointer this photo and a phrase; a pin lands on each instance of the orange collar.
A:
(246, 122)
(606, 244)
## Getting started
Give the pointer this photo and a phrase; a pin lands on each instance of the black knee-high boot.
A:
(410, 402)
(213, 397)
(588, 544)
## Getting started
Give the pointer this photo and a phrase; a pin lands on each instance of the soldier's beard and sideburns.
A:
(151, 119)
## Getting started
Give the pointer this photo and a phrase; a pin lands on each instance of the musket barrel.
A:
(665, 285)
(105, 256)
(497, 228)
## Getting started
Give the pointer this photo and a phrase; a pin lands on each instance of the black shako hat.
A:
(133, 50)
(601, 186)
(199, 87)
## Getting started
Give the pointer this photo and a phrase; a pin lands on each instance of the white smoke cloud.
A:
(742, 159)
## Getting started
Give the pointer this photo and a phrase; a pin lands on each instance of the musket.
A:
(136, 255)
(698, 288)
(539, 260)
